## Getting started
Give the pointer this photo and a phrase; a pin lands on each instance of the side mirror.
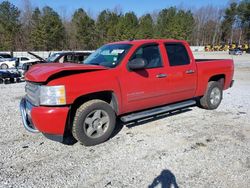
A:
(136, 64)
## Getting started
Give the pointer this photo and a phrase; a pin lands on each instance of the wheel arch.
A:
(218, 78)
(107, 96)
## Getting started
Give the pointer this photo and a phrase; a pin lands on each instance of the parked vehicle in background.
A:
(10, 76)
(9, 72)
(6, 63)
(60, 57)
(5, 56)
(24, 60)
(129, 79)
(64, 57)
(235, 52)
(68, 57)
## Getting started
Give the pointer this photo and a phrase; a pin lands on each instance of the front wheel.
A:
(213, 96)
(94, 122)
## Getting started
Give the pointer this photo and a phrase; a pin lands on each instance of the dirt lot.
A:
(192, 148)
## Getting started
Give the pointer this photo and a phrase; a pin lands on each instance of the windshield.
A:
(109, 55)
(53, 57)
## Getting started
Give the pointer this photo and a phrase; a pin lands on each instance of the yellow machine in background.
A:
(226, 47)
(232, 46)
(245, 47)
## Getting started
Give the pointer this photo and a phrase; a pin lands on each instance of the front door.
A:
(144, 88)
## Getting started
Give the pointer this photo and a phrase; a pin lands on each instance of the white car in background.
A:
(24, 60)
(6, 63)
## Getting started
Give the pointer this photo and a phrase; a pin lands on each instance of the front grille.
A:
(32, 93)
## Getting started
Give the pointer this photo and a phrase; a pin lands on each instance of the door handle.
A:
(161, 75)
(190, 71)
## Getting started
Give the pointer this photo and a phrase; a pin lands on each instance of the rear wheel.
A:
(94, 122)
(4, 66)
(213, 96)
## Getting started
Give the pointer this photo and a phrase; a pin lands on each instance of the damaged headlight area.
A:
(52, 95)
(46, 95)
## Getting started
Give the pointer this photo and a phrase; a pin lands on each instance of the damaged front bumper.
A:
(25, 108)
(50, 121)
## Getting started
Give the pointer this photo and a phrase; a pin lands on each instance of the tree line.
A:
(44, 29)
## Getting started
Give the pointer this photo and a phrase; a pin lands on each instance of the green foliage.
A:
(48, 32)
(127, 26)
(173, 23)
(9, 25)
(146, 27)
(229, 20)
(114, 19)
(106, 26)
(102, 26)
(84, 29)
(244, 15)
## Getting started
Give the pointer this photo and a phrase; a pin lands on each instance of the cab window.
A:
(151, 54)
(177, 54)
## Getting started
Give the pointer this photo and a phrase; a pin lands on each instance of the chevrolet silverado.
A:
(129, 80)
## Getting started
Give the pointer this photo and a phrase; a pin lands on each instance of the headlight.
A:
(52, 95)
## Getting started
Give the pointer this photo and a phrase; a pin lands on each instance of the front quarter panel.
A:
(81, 84)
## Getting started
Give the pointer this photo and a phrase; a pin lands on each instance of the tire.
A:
(18, 80)
(4, 66)
(6, 81)
(12, 80)
(93, 123)
(213, 96)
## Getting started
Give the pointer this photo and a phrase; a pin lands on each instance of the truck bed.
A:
(203, 60)
(209, 67)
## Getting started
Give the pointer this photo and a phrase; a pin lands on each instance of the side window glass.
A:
(61, 60)
(85, 57)
(151, 54)
(79, 58)
(177, 54)
(24, 59)
(68, 58)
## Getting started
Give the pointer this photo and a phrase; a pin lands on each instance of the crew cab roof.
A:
(143, 41)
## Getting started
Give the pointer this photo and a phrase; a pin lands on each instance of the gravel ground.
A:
(192, 148)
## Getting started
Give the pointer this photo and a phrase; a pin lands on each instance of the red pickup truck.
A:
(129, 79)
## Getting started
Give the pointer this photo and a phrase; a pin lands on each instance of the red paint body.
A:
(134, 90)
(50, 120)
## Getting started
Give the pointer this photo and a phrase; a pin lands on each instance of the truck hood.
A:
(42, 72)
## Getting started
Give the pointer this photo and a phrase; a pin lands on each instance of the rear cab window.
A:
(177, 54)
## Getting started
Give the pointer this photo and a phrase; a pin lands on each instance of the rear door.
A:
(182, 73)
